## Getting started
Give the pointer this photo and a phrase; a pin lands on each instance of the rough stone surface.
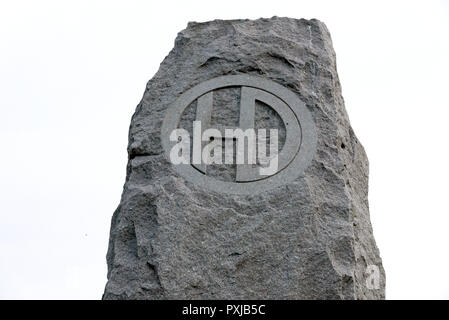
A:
(310, 239)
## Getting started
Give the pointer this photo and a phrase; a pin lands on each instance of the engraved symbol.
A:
(249, 95)
(300, 139)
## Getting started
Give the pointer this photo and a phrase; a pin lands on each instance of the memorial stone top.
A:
(245, 179)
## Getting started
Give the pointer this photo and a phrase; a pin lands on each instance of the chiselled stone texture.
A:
(309, 239)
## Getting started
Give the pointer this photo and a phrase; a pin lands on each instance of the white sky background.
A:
(72, 73)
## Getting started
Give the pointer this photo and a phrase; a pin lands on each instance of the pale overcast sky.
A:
(72, 73)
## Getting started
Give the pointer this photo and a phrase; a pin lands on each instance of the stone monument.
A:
(196, 224)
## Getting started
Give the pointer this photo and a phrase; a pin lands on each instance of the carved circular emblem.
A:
(292, 159)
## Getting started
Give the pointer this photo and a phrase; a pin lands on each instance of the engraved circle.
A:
(303, 148)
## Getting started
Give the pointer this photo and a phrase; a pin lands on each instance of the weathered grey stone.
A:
(309, 239)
